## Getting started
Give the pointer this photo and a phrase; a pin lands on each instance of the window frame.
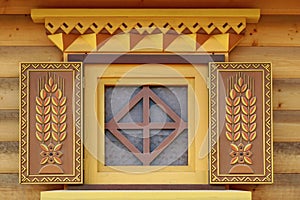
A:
(198, 173)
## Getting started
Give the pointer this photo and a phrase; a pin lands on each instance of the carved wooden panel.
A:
(241, 123)
(50, 123)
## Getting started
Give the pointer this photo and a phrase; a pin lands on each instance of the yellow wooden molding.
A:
(175, 30)
(146, 195)
(145, 20)
(251, 15)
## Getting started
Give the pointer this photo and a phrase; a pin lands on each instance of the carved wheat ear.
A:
(42, 117)
(240, 117)
(51, 118)
(232, 116)
(249, 116)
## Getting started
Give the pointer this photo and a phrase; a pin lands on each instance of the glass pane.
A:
(146, 125)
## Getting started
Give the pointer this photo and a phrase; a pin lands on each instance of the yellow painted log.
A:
(251, 15)
(146, 195)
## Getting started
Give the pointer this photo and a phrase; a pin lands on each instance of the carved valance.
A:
(155, 30)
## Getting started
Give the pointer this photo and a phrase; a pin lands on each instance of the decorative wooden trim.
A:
(241, 123)
(50, 123)
(40, 15)
(154, 30)
(146, 187)
(144, 194)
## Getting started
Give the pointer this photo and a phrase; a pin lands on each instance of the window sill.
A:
(143, 194)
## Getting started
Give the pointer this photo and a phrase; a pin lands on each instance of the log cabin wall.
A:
(275, 38)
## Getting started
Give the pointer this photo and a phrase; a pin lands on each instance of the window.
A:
(145, 124)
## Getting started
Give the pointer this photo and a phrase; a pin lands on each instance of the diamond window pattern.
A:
(146, 125)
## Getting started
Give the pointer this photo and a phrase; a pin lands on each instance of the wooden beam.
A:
(9, 157)
(285, 60)
(286, 186)
(19, 30)
(12, 56)
(286, 157)
(273, 31)
(9, 93)
(286, 94)
(286, 126)
(147, 195)
(251, 15)
(9, 126)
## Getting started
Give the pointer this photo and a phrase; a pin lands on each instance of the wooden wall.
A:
(274, 38)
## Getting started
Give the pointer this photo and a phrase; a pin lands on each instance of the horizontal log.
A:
(12, 56)
(285, 60)
(267, 6)
(286, 186)
(9, 125)
(273, 31)
(19, 30)
(286, 126)
(286, 157)
(9, 157)
(12, 190)
(286, 94)
(9, 93)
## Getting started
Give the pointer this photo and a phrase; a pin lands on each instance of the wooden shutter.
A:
(50, 123)
(240, 123)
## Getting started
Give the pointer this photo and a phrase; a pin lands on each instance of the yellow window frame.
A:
(99, 75)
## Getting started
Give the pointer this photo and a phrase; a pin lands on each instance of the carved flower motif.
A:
(51, 154)
(241, 154)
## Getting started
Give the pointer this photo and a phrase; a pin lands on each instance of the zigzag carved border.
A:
(215, 177)
(145, 25)
(25, 176)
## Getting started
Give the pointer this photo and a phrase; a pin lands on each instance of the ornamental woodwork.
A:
(51, 146)
(240, 123)
(240, 93)
(150, 30)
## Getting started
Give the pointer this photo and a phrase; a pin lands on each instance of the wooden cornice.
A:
(187, 30)
(251, 15)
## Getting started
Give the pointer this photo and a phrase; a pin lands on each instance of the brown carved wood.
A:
(50, 121)
(241, 121)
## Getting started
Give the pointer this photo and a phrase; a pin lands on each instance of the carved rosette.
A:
(51, 122)
(240, 121)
